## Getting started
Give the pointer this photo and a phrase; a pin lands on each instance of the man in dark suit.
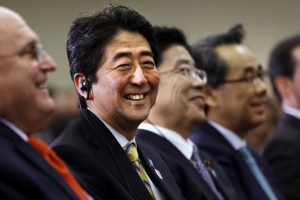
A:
(178, 109)
(235, 96)
(25, 105)
(282, 150)
(112, 57)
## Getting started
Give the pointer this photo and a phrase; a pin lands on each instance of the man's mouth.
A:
(135, 97)
(41, 85)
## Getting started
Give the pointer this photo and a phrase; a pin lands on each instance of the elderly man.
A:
(29, 168)
(283, 150)
(235, 96)
(179, 108)
(112, 58)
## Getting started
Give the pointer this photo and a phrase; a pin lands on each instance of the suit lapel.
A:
(167, 147)
(112, 155)
(154, 172)
(35, 158)
(247, 177)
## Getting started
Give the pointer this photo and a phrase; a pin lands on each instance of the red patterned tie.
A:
(51, 157)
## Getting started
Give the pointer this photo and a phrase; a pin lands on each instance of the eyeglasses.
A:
(251, 78)
(189, 72)
(35, 53)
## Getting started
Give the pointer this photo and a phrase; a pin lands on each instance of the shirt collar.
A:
(122, 140)
(18, 131)
(185, 146)
(230, 136)
(291, 111)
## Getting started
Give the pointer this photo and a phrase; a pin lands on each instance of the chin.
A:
(138, 117)
(48, 107)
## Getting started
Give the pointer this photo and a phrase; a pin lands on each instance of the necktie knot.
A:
(39, 145)
(131, 151)
(245, 153)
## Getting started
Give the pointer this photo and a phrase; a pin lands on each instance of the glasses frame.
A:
(253, 80)
(36, 52)
(189, 72)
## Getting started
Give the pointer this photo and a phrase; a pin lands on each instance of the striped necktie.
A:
(132, 154)
(248, 158)
(198, 164)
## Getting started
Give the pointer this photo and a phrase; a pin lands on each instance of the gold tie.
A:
(133, 157)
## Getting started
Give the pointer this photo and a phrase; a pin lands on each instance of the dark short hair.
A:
(168, 36)
(89, 35)
(206, 58)
(281, 61)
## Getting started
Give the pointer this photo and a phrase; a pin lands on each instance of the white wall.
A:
(266, 22)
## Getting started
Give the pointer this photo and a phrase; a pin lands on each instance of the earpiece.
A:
(85, 86)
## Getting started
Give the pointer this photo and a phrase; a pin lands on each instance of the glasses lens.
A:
(38, 49)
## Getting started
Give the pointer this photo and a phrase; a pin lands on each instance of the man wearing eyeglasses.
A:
(235, 96)
(283, 150)
(25, 105)
(178, 109)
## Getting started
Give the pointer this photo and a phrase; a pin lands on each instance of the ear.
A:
(78, 77)
(284, 86)
(210, 96)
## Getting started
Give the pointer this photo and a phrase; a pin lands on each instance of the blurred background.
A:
(265, 22)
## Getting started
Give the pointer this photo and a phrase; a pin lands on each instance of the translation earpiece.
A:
(85, 86)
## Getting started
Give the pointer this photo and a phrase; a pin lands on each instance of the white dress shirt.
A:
(18, 131)
(185, 146)
(291, 111)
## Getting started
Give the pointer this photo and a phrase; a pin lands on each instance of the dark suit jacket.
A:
(24, 174)
(209, 139)
(191, 183)
(94, 153)
(283, 154)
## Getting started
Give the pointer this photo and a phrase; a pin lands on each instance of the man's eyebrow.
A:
(121, 55)
(251, 69)
(180, 62)
(147, 53)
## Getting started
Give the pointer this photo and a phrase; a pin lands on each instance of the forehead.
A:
(127, 41)
(238, 57)
(174, 56)
(14, 32)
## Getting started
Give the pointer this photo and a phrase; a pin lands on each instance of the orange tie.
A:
(51, 157)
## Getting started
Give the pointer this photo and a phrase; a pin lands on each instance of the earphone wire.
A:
(110, 149)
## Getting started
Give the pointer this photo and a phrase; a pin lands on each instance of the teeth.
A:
(135, 96)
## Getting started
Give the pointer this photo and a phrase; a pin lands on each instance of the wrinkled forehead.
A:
(14, 32)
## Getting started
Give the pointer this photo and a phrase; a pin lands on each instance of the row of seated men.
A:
(159, 119)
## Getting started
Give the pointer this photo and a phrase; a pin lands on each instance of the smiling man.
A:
(112, 58)
(29, 169)
(235, 96)
(179, 108)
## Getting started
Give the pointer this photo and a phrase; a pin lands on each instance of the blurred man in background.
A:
(283, 150)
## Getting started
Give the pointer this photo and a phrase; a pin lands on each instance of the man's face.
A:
(241, 105)
(24, 101)
(127, 81)
(180, 98)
